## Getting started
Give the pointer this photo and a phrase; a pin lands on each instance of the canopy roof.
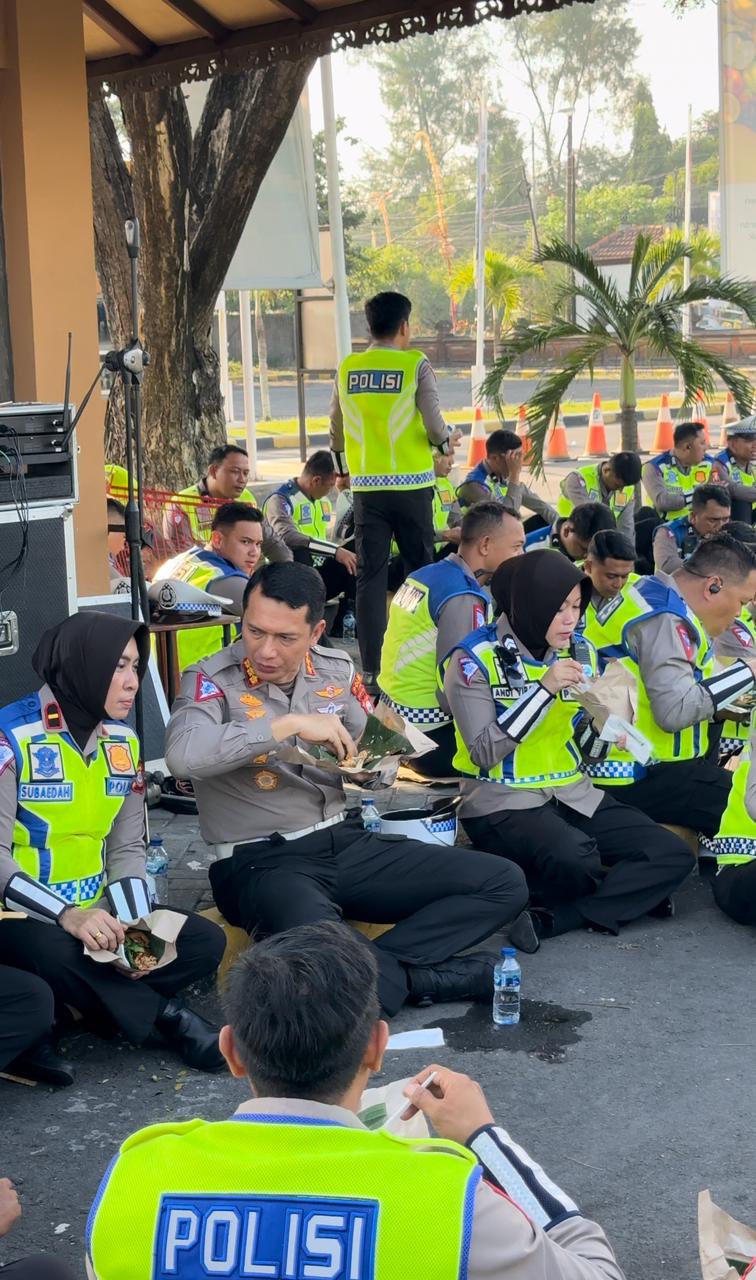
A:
(165, 41)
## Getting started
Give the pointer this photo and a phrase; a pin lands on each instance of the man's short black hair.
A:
(686, 431)
(301, 1005)
(741, 531)
(704, 493)
(483, 519)
(626, 466)
(386, 313)
(233, 513)
(223, 451)
(320, 464)
(610, 544)
(590, 518)
(722, 555)
(502, 441)
(297, 585)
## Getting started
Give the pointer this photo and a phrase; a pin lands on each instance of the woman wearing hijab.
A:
(590, 861)
(72, 843)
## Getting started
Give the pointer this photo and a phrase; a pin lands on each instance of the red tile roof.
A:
(618, 245)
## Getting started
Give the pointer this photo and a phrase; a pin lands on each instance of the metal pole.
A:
(479, 369)
(570, 205)
(686, 229)
(228, 398)
(340, 297)
(299, 357)
(248, 375)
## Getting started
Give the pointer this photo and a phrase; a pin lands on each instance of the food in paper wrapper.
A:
(150, 942)
(612, 694)
(143, 949)
(385, 740)
(727, 1248)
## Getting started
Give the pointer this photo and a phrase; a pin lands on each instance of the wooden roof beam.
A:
(300, 8)
(200, 17)
(114, 24)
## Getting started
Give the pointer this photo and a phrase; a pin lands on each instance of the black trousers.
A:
(337, 579)
(438, 763)
(27, 1011)
(407, 516)
(735, 892)
(108, 999)
(613, 867)
(39, 1267)
(687, 793)
(646, 521)
(442, 900)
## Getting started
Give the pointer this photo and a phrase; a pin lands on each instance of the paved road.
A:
(627, 1078)
(455, 394)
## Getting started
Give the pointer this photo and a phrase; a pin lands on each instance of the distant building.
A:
(614, 253)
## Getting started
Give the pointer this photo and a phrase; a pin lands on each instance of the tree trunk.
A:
(193, 197)
(628, 414)
(496, 328)
(262, 358)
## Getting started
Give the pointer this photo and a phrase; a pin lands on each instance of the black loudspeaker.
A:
(41, 593)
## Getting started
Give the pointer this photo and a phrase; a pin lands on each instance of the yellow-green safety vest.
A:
(591, 473)
(385, 441)
(444, 499)
(292, 1197)
(675, 478)
(735, 734)
(735, 842)
(66, 804)
(408, 675)
(548, 756)
(311, 516)
(735, 471)
(647, 599)
(604, 625)
(199, 509)
(117, 482)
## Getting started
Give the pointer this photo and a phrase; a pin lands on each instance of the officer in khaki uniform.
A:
(288, 852)
(385, 416)
(294, 1185)
(614, 482)
(674, 541)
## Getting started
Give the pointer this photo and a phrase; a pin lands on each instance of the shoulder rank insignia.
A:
(52, 717)
(250, 674)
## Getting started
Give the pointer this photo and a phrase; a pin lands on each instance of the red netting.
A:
(172, 524)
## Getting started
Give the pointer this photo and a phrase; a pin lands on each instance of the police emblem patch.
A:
(331, 709)
(479, 616)
(686, 641)
(330, 691)
(6, 754)
(46, 763)
(249, 700)
(118, 757)
(206, 689)
(740, 632)
(467, 669)
(264, 780)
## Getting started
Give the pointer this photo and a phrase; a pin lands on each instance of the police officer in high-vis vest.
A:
(734, 845)
(613, 482)
(294, 1185)
(663, 637)
(447, 514)
(498, 476)
(222, 568)
(677, 539)
(72, 840)
(572, 534)
(430, 613)
(609, 565)
(299, 513)
(188, 518)
(385, 418)
(521, 741)
(670, 478)
(737, 459)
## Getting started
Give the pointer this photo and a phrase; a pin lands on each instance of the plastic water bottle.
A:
(371, 819)
(349, 626)
(506, 996)
(157, 869)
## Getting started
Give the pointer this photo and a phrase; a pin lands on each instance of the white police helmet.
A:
(183, 600)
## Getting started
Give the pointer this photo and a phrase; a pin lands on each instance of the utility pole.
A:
(478, 371)
(687, 326)
(340, 296)
(570, 198)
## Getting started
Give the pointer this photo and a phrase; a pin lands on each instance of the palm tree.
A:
(503, 288)
(704, 260)
(624, 320)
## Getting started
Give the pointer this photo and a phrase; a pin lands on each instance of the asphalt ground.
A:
(628, 1079)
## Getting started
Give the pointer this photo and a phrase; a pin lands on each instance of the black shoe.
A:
(523, 933)
(43, 1062)
(193, 1036)
(462, 978)
(665, 910)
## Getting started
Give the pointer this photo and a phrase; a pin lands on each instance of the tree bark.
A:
(192, 198)
(262, 358)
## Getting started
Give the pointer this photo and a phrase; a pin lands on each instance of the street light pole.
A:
(340, 296)
(570, 205)
(478, 371)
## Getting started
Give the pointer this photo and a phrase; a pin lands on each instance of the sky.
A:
(688, 75)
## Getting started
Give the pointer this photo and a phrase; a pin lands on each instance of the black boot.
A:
(461, 978)
(193, 1036)
(664, 910)
(525, 932)
(43, 1062)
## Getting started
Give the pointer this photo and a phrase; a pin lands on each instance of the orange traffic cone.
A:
(477, 450)
(663, 439)
(699, 415)
(523, 432)
(729, 414)
(595, 445)
(557, 449)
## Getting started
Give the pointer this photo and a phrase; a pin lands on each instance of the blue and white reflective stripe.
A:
(613, 769)
(409, 479)
(417, 715)
(75, 890)
(739, 846)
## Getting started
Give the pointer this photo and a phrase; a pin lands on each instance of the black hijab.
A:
(78, 659)
(530, 589)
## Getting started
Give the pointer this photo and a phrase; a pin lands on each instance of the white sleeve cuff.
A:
(22, 893)
(518, 720)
